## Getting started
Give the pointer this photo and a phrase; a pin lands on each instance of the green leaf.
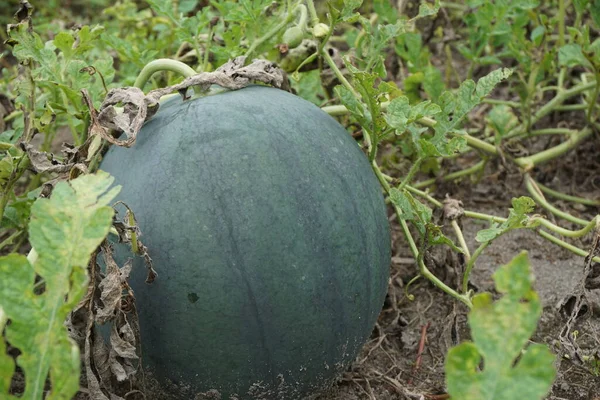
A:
(309, 86)
(580, 5)
(455, 106)
(348, 13)
(64, 230)
(411, 209)
(30, 47)
(537, 34)
(16, 213)
(163, 8)
(412, 86)
(401, 200)
(437, 237)
(517, 218)
(7, 166)
(385, 10)
(500, 331)
(426, 9)
(433, 83)
(356, 108)
(571, 55)
(372, 95)
(595, 12)
(7, 365)
(186, 6)
(402, 116)
(64, 42)
(502, 119)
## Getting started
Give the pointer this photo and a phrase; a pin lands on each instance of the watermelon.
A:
(269, 232)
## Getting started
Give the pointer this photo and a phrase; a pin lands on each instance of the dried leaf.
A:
(453, 209)
(42, 161)
(138, 107)
(110, 289)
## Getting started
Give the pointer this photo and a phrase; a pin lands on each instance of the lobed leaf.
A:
(571, 55)
(38, 294)
(455, 106)
(500, 332)
(517, 218)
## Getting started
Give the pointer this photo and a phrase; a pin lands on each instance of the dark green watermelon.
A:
(268, 230)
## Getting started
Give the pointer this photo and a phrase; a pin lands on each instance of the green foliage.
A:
(500, 331)
(7, 366)
(62, 67)
(38, 293)
(583, 51)
(451, 109)
(498, 29)
(412, 209)
(374, 38)
(501, 119)
(456, 106)
(517, 218)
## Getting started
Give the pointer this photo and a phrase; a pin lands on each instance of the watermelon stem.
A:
(164, 64)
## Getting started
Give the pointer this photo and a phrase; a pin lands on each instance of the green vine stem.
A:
(340, 76)
(411, 173)
(553, 131)
(452, 176)
(557, 100)
(561, 22)
(164, 64)
(10, 240)
(471, 264)
(542, 221)
(568, 246)
(302, 17)
(409, 296)
(594, 95)
(314, 18)
(344, 81)
(539, 198)
(461, 239)
(424, 271)
(565, 232)
(572, 107)
(554, 152)
(513, 104)
(562, 196)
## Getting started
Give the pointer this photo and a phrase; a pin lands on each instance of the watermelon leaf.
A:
(500, 331)
(38, 292)
(517, 218)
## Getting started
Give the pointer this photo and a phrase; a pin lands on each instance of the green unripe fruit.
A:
(293, 36)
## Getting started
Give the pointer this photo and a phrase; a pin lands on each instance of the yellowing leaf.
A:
(500, 331)
(37, 296)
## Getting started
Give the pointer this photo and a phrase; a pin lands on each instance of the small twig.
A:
(420, 351)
